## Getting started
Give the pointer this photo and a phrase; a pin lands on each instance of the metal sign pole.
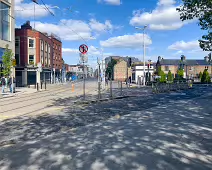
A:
(83, 79)
(83, 50)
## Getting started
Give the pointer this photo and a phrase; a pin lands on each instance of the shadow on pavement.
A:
(158, 132)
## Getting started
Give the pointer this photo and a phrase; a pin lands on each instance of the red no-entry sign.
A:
(83, 48)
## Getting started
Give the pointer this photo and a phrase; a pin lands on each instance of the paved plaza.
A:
(150, 132)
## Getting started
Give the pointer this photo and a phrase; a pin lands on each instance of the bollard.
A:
(41, 85)
(111, 94)
(99, 94)
(121, 88)
(45, 85)
(37, 87)
(72, 87)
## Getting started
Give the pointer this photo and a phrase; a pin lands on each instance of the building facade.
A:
(138, 73)
(57, 62)
(191, 67)
(7, 29)
(34, 53)
(121, 71)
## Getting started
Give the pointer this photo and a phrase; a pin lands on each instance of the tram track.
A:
(27, 97)
(43, 103)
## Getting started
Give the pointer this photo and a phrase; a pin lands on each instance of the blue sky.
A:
(108, 26)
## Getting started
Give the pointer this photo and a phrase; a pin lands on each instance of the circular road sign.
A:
(83, 48)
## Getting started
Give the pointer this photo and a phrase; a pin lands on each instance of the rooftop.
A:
(186, 62)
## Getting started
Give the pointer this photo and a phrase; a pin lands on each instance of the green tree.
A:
(170, 77)
(7, 61)
(162, 75)
(202, 10)
(200, 75)
(205, 77)
(110, 67)
(180, 73)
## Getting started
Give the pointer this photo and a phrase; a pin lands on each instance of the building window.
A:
(49, 49)
(17, 59)
(166, 68)
(41, 59)
(46, 47)
(31, 59)
(17, 42)
(31, 43)
(191, 68)
(41, 45)
(4, 22)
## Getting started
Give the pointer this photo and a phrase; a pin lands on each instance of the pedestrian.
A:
(106, 80)
(3, 84)
(14, 84)
(10, 84)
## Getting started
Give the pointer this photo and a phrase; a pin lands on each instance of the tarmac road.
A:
(157, 132)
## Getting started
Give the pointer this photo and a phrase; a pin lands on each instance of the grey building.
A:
(7, 27)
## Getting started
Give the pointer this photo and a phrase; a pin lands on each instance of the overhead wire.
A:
(46, 8)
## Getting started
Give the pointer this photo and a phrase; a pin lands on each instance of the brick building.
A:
(120, 71)
(191, 67)
(34, 49)
(57, 55)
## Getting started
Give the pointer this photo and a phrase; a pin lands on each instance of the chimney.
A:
(159, 58)
(209, 56)
(183, 58)
(206, 58)
(26, 25)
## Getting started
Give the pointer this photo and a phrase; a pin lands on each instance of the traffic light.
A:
(14, 62)
(129, 62)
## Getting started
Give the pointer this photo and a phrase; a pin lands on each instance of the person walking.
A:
(10, 84)
(3, 84)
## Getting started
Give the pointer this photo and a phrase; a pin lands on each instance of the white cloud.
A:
(67, 29)
(100, 27)
(187, 48)
(75, 29)
(110, 2)
(26, 10)
(163, 17)
(127, 41)
(92, 51)
(182, 45)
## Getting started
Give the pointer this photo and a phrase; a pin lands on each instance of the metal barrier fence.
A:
(167, 87)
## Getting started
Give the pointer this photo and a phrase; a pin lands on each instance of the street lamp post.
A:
(102, 67)
(144, 52)
(149, 64)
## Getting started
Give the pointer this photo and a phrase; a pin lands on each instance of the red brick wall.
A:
(57, 58)
(24, 34)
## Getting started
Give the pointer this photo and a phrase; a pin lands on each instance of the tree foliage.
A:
(7, 61)
(110, 67)
(200, 75)
(162, 75)
(201, 10)
(170, 77)
(205, 77)
(180, 73)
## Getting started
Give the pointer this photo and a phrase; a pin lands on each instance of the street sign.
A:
(83, 49)
(14, 62)
(40, 67)
(83, 58)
